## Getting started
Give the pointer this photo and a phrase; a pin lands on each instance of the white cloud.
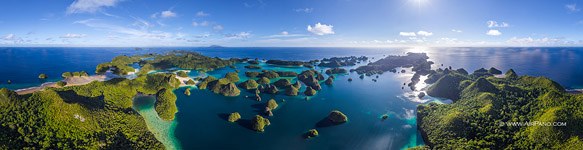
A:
(11, 39)
(493, 33)
(240, 35)
(202, 14)
(494, 24)
(424, 33)
(529, 41)
(572, 7)
(218, 27)
(321, 29)
(155, 15)
(457, 31)
(72, 36)
(167, 14)
(407, 34)
(194, 23)
(304, 10)
(89, 6)
(284, 34)
(204, 23)
(139, 33)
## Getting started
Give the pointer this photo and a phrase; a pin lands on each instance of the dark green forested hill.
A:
(484, 104)
(98, 115)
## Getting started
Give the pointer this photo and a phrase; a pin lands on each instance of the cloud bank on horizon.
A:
(291, 23)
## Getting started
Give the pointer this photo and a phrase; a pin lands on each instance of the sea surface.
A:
(200, 122)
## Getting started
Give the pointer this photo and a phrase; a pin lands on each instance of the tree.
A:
(232, 77)
(61, 83)
(233, 117)
(166, 104)
(42, 76)
(66, 74)
(182, 74)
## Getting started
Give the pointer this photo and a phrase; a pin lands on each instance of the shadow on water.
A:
(259, 108)
(326, 123)
(224, 116)
(246, 123)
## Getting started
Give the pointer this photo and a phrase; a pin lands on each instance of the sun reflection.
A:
(419, 49)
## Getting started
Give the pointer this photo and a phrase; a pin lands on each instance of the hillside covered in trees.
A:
(98, 115)
(485, 108)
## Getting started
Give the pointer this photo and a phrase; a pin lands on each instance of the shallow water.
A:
(162, 130)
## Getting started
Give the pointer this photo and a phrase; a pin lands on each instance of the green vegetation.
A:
(270, 89)
(182, 74)
(263, 80)
(336, 116)
(252, 74)
(42, 76)
(119, 65)
(341, 61)
(312, 133)
(310, 78)
(281, 83)
(292, 91)
(329, 81)
(416, 60)
(285, 62)
(97, 115)
(253, 67)
(61, 83)
(187, 92)
(483, 104)
(234, 117)
(287, 73)
(190, 82)
(224, 87)
(232, 77)
(269, 74)
(493, 70)
(259, 123)
(166, 104)
(189, 60)
(66, 74)
(204, 83)
(336, 71)
(272, 104)
(309, 91)
(249, 84)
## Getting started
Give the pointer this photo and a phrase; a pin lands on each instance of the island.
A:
(259, 123)
(335, 62)
(485, 107)
(337, 117)
(234, 117)
(286, 62)
(336, 71)
(311, 133)
(42, 76)
(418, 62)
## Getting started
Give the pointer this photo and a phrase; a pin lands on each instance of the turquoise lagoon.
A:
(201, 124)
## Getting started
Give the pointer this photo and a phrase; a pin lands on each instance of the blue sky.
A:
(295, 23)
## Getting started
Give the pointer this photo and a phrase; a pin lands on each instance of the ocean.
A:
(199, 123)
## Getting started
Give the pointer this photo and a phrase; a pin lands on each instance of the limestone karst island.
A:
(291, 74)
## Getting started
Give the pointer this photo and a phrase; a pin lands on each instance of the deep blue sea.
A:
(200, 124)
(22, 65)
